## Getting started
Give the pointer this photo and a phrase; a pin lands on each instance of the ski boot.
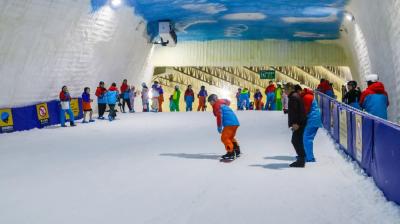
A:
(229, 156)
(299, 163)
(236, 147)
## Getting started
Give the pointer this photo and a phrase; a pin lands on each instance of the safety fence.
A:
(36, 116)
(371, 141)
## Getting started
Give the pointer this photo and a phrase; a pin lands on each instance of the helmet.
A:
(212, 98)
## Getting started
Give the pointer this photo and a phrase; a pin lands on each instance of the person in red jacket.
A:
(374, 99)
(189, 98)
(125, 95)
(65, 101)
(270, 92)
(101, 93)
(325, 88)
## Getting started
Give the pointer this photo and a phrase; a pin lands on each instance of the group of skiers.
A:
(276, 99)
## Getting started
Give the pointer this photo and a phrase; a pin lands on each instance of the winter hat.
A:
(212, 97)
(372, 78)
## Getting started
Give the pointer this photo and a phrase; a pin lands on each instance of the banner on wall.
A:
(6, 120)
(358, 143)
(332, 106)
(74, 104)
(343, 127)
(43, 113)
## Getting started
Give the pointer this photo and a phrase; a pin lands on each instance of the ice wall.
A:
(373, 41)
(46, 44)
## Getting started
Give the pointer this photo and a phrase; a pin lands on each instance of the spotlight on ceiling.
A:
(349, 16)
(116, 3)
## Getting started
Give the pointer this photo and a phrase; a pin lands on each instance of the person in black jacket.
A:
(297, 122)
(352, 97)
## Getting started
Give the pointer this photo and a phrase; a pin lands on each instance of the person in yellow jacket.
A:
(278, 97)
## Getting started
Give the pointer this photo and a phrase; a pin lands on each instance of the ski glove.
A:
(220, 130)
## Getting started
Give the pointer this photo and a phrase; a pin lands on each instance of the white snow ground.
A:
(164, 168)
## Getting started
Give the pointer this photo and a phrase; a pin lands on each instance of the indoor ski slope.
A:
(164, 168)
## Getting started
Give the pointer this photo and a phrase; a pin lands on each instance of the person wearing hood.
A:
(374, 99)
(258, 99)
(189, 98)
(278, 97)
(202, 96)
(112, 99)
(325, 88)
(101, 93)
(297, 122)
(352, 96)
(65, 100)
(175, 99)
(270, 92)
(145, 97)
(314, 122)
(125, 89)
(155, 94)
(245, 99)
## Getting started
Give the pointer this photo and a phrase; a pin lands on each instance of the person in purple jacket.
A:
(86, 104)
(202, 99)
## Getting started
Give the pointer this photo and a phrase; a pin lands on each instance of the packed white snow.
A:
(164, 168)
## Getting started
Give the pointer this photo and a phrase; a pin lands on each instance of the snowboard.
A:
(229, 160)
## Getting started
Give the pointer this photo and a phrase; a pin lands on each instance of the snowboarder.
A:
(86, 104)
(202, 99)
(65, 99)
(314, 122)
(297, 122)
(227, 125)
(189, 98)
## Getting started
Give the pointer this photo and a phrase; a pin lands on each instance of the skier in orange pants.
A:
(202, 99)
(228, 124)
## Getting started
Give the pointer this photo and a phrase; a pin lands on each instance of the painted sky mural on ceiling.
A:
(242, 19)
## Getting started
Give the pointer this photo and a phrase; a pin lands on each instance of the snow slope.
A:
(164, 168)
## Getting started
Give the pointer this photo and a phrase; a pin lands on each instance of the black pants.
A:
(128, 102)
(113, 112)
(102, 109)
(297, 141)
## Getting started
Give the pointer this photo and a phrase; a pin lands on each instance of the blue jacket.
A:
(112, 97)
(375, 101)
(86, 97)
(314, 116)
(202, 93)
(225, 115)
(244, 96)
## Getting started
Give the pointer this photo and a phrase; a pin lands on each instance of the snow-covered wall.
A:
(373, 41)
(46, 44)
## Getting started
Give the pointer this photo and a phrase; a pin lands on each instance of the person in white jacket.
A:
(145, 97)
(132, 96)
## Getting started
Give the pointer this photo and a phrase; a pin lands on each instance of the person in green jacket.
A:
(278, 97)
(175, 99)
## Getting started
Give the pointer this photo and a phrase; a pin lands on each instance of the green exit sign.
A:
(267, 74)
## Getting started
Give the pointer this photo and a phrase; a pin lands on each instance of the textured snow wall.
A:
(373, 41)
(47, 44)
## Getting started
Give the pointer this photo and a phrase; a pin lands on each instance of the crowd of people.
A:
(304, 115)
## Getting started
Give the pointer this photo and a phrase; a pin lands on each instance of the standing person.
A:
(314, 122)
(285, 98)
(112, 98)
(86, 104)
(270, 92)
(374, 99)
(245, 99)
(297, 122)
(189, 98)
(175, 99)
(171, 103)
(238, 103)
(65, 100)
(125, 95)
(227, 125)
(202, 96)
(258, 99)
(353, 95)
(155, 96)
(145, 97)
(278, 97)
(325, 88)
(132, 96)
(101, 93)
(160, 98)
